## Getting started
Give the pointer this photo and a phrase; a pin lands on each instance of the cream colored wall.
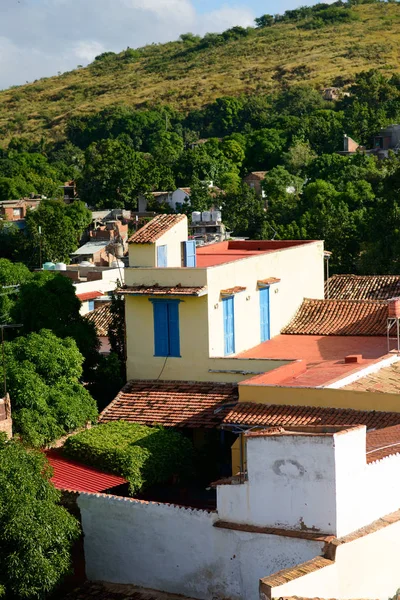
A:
(301, 270)
(194, 363)
(166, 277)
(142, 255)
(325, 397)
(173, 239)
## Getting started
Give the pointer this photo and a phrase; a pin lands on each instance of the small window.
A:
(91, 305)
(17, 212)
(166, 328)
(162, 256)
(189, 253)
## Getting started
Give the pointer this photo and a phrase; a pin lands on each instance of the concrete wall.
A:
(319, 482)
(364, 568)
(179, 550)
(291, 484)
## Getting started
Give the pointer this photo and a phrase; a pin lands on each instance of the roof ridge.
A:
(161, 224)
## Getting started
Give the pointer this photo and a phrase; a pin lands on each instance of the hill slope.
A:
(188, 75)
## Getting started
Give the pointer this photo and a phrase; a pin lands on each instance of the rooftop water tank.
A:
(196, 217)
(206, 216)
(86, 263)
(216, 216)
(49, 266)
(118, 264)
(60, 267)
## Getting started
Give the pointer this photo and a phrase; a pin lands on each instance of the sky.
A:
(39, 38)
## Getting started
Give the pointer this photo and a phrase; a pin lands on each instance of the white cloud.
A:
(42, 37)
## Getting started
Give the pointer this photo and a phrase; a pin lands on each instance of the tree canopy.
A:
(36, 532)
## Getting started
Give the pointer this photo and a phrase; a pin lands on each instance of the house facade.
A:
(188, 310)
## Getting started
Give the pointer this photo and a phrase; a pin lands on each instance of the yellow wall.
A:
(173, 239)
(142, 255)
(166, 277)
(301, 270)
(194, 363)
(324, 397)
(145, 255)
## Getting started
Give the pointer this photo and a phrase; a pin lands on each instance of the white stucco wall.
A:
(291, 484)
(368, 567)
(179, 550)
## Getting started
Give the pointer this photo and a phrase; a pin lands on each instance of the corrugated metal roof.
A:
(73, 476)
(91, 247)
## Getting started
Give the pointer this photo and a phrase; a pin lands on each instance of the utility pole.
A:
(40, 246)
(3, 327)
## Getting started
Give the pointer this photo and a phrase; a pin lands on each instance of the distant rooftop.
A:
(91, 247)
(362, 287)
(225, 252)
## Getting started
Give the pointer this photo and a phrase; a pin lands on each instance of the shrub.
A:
(143, 455)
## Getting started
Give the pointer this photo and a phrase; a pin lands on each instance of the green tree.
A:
(264, 21)
(43, 374)
(48, 301)
(11, 274)
(113, 175)
(264, 149)
(37, 533)
(298, 157)
(244, 212)
(61, 228)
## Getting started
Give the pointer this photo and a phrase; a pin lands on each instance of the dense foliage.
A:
(143, 455)
(36, 533)
(48, 400)
(48, 301)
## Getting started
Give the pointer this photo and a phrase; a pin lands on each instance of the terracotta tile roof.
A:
(339, 317)
(171, 403)
(158, 290)
(382, 443)
(385, 381)
(363, 287)
(101, 318)
(257, 174)
(76, 477)
(89, 296)
(268, 281)
(232, 291)
(155, 228)
(210, 405)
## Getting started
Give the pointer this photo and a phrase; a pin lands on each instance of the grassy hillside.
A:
(187, 75)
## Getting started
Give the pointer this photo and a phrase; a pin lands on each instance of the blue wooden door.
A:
(264, 314)
(229, 325)
(161, 256)
(190, 253)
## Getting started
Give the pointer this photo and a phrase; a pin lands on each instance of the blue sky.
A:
(39, 38)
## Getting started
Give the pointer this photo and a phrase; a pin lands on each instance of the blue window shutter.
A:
(161, 256)
(161, 344)
(190, 253)
(229, 325)
(264, 314)
(173, 322)
(91, 305)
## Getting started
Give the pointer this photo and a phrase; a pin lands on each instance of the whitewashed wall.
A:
(179, 550)
(291, 484)
(365, 568)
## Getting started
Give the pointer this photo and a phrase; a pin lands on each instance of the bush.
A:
(143, 455)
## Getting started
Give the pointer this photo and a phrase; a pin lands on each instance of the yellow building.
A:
(191, 312)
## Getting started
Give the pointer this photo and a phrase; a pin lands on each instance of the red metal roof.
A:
(73, 476)
(89, 296)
